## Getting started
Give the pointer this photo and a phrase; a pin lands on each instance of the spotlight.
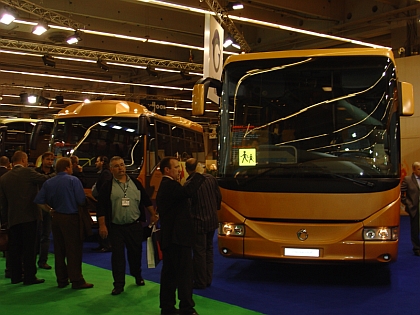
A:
(40, 28)
(234, 6)
(236, 46)
(151, 72)
(59, 100)
(32, 99)
(48, 60)
(74, 39)
(186, 75)
(44, 101)
(228, 42)
(7, 16)
(102, 64)
(23, 98)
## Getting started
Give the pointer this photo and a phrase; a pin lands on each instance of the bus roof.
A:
(312, 53)
(5, 121)
(118, 108)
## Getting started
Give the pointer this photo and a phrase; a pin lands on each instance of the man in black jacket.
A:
(44, 228)
(176, 238)
(19, 187)
(410, 194)
(204, 205)
(120, 210)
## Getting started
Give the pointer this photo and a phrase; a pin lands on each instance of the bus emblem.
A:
(302, 235)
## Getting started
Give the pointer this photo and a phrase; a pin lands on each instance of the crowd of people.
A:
(51, 198)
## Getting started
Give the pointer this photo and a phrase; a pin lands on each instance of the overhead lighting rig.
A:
(40, 28)
(74, 39)
(186, 75)
(59, 100)
(7, 16)
(152, 72)
(48, 60)
(102, 64)
(234, 5)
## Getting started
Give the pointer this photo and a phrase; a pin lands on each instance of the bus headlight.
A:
(227, 228)
(380, 234)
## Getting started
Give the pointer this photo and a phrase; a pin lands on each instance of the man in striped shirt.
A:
(204, 205)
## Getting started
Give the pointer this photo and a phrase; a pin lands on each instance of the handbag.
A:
(154, 253)
(4, 240)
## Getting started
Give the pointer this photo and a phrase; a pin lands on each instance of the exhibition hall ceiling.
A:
(152, 51)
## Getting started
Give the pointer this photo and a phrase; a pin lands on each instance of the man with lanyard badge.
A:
(120, 211)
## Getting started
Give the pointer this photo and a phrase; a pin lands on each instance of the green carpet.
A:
(46, 298)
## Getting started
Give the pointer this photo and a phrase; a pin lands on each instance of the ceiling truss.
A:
(94, 55)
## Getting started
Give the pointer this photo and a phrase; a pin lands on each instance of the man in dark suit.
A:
(204, 205)
(176, 238)
(410, 198)
(18, 188)
(4, 165)
(44, 226)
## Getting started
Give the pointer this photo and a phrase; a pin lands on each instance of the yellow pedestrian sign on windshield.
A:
(247, 157)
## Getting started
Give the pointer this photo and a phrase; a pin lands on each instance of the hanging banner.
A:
(158, 107)
(213, 52)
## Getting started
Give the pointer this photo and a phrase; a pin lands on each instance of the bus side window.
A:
(164, 139)
(200, 154)
(178, 141)
(190, 143)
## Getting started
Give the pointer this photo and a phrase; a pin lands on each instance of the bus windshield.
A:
(91, 137)
(310, 117)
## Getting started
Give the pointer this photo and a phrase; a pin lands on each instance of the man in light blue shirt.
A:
(61, 197)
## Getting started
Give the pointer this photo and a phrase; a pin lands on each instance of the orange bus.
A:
(127, 129)
(309, 154)
(16, 133)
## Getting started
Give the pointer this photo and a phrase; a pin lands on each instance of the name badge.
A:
(125, 202)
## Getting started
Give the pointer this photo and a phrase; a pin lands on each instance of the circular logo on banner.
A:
(217, 52)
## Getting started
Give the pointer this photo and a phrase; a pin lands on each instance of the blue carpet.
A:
(275, 288)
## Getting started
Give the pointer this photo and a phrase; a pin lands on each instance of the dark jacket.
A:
(174, 210)
(204, 205)
(104, 206)
(410, 194)
(104, 176)
(19, 187)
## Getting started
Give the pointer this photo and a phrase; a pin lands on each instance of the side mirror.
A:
(199, 95)
(142, 125)
(407, 99)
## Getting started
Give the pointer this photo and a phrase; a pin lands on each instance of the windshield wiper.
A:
(315, 169)
(356, 181)
(247, 180)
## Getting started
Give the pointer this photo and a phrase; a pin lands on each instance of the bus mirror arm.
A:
(211, 82)
(200, 93)
(142, 124)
